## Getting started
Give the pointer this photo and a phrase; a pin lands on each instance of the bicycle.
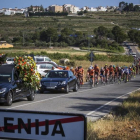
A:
(125, 78)
(119, 79)
(96, 80)
(111, 79)
(79, 81)
(91, 81)
(102, 78)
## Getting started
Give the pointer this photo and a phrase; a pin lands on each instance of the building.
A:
(100, 8)
(76, 9)
(111, 8)
(55, 8)
(36, 8)
(85, 8)
(4, 44)
(70, 8)
(11, 11)
(92, 9)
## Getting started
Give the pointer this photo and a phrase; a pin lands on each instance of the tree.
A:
(137, 37)
(132, 34)
(110, 34)
(101, 31)
(118, 33)
(49, 34)
(66, 31)
(121, 3)
(80, 13)
(30, 8)
(41, 8)
(131, 6)
(136, 8)
(36, 36)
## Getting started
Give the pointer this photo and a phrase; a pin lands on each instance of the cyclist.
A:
(106, 72)
(111, 72)
(80, 74)
(97, 71)
(72, 69)
(76, 71)
(91, 74)
(126, 72)
(120, 73)
(102, 74)
(134, 70)
(87, 75)
(66, 68)
(115, 72)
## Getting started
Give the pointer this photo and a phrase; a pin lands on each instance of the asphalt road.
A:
(134, 48)
(94, 103)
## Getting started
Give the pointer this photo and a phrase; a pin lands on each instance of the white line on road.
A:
(56, 97)
(111, 102)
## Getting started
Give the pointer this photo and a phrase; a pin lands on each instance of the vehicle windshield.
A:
(57, 74)
(39, 59)
(5, 77)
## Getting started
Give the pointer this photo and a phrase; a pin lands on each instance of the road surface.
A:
(133, 47)
(94, 103)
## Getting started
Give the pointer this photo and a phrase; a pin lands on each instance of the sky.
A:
(46, 3)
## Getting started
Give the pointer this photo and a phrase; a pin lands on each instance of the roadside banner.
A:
(16, 124)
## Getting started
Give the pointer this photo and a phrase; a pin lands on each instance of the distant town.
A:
(69, 8)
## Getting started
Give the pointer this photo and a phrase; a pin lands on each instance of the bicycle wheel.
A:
(91, 83)
(78, 82)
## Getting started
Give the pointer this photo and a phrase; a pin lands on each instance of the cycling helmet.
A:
(119, 68)
(96, 65)
(90, 68)
(113, 66)
(79, 67)
(71, 68)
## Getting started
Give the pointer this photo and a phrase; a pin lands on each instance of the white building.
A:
(100, 8)
(85, 8)
(1, 11)
(76, 9)
(11, 11)
(92, 9)
(70, 8)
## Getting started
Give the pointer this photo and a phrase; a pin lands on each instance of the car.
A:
(44, 67)
(134, 54)
(60, 80)
(130, 51)
(9, 60)
(128, 47)
(11, 86)
(42, 59)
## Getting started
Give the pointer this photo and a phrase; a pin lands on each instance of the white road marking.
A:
(111, 102)
(56, 97)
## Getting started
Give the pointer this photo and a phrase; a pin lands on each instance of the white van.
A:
(42, 59)
(134, 54)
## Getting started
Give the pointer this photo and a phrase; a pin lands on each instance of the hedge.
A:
(58, 56)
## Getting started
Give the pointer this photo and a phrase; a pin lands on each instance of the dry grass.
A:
(119, 126)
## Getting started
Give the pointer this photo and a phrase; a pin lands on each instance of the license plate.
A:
(50, 87)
